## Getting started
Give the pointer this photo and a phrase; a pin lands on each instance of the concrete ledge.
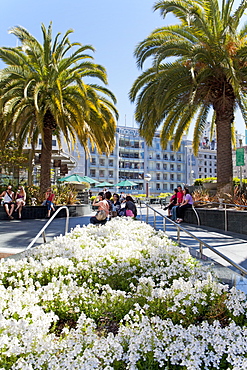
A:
(36, 212)
(236, 220)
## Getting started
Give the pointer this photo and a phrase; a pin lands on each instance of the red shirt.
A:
(180, 196)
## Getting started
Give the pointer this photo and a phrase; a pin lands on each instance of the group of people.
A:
(112, 206)
(179, 202)
(13, 202)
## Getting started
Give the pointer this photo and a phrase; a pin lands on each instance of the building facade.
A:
(132, 159)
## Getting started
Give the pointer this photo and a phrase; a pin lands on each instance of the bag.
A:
(101, 215)
(129, 213)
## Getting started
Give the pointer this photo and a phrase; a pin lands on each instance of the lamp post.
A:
(147, 178)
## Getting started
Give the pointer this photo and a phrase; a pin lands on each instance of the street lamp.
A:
(147, 178)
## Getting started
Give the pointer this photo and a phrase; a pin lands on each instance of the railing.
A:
(201, 242)
(42, 231)
(223, 207)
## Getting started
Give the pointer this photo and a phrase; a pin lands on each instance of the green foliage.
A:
(197, 64)
(65, 194)
(12, 156)
(43, 93)
(201, 181)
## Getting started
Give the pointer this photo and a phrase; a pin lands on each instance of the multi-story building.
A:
(132, 158)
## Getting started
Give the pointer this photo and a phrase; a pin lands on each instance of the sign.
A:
(240, 157)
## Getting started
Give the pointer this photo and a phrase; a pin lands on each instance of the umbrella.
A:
(104, 184)
(89, 180)
(126, 183)
(78, 178)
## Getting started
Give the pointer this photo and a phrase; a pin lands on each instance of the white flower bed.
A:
(120, 296)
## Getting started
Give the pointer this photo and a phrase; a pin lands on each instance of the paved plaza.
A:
(17, 234)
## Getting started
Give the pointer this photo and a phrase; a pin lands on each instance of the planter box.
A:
(210, 185)
(236, 220)
(32, 212)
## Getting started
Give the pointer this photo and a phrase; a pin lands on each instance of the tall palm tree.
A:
(198, 64)
(43, 93)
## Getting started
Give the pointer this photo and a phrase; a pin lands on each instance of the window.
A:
(172, 186)
(93, 161)
(172, 157)
(205, 163)
(111, 162)
(172, 176)
(205, 156)
(110, 173)
(158, 176)
(165, 187)
(164, 166)
(210, 170)
(171, 147)
(164, 176)
(179, 177)
(179, 167)
(102, 162)
(165, 157)
(205, 170)
(101, 173)
(157, 186)
(172, 167)
(92, 173)
(200, 169)
(179, 158)
(157, 166)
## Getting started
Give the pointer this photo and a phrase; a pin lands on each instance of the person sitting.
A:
(49, 199)
(108, 199)
(8, 197)
(20, 199)
(102, 205)
(172, 202)
(99, 219)
(186, 203)
(130, 207)
(180, 195)
(116, 205)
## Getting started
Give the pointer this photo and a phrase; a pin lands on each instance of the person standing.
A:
(49, 199)
(8, 197)
(20, 199)
(180, 195)
(186, 203)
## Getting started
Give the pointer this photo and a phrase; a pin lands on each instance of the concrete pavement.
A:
(17, 234)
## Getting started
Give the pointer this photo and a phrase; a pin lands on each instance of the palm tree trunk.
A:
(45, 160)
(224, 121)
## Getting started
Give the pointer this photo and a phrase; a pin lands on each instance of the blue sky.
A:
(113, 27)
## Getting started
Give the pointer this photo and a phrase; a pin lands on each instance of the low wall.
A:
(31, 212)
(236, 220)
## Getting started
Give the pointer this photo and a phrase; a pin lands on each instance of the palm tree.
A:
(197, 65)
(43, 93)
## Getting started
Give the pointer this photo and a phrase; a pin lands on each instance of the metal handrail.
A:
(42, 231)
(201, 242)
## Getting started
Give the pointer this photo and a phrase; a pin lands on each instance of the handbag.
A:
(129, 213)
